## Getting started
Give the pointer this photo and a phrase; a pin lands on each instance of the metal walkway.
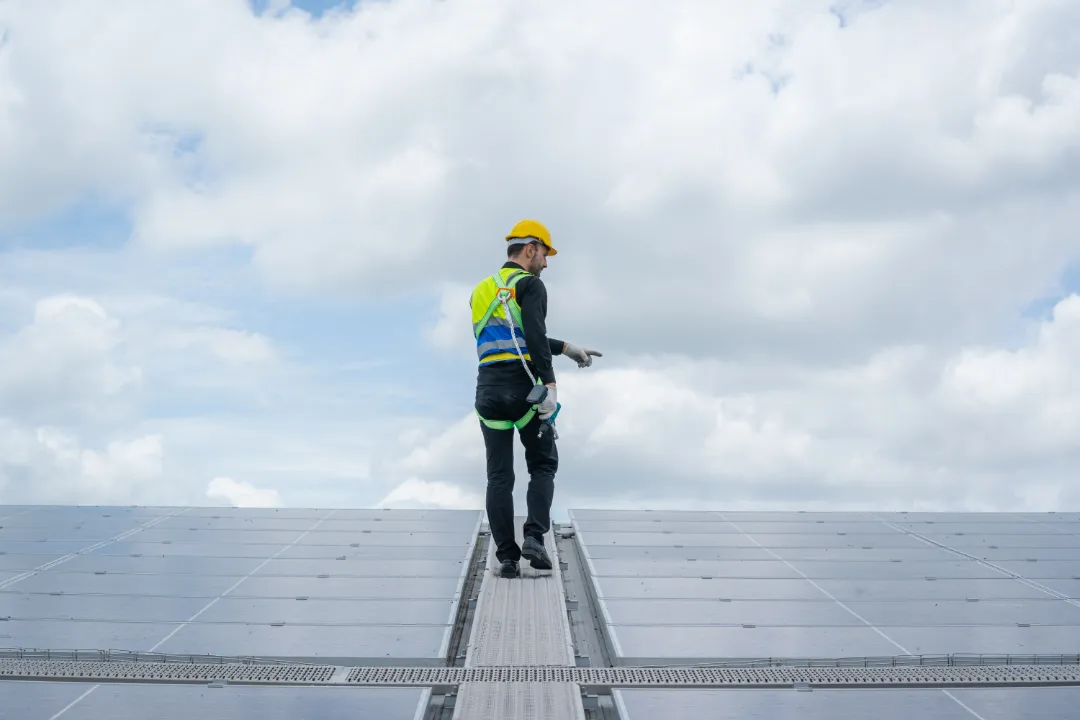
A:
(521, 622)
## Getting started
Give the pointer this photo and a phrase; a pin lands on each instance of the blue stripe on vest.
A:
(491, 333)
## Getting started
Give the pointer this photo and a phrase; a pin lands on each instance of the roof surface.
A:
(298, 608)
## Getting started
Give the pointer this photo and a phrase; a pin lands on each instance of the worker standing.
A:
(509, 317)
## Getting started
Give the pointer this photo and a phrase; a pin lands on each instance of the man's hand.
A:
(582, 356)
(549, 404)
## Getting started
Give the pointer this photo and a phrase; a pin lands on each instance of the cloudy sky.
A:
(828, 248)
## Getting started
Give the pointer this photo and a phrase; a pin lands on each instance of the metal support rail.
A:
(859, 661)
(592, 679)
(133, 656)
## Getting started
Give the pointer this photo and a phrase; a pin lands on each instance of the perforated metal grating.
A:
(695, 677)
(177, 672)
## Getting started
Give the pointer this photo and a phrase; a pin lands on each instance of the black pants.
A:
(507, 402)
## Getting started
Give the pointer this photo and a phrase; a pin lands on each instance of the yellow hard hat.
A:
(532, 229)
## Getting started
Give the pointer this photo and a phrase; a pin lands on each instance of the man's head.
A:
(530, 254)
(529, 245)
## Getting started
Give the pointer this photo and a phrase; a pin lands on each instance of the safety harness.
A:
(504, 293)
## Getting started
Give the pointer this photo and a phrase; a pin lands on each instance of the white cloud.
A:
(51, 466)
(67, 364)
(416, 493)
(908, 428)
(234, 347)
(242, 494)
(402, 139)
(74, 385)
(451, 331)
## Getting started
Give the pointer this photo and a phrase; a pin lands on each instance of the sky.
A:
(828, 249)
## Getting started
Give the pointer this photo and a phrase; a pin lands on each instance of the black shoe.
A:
(536, 554)
(509, 569)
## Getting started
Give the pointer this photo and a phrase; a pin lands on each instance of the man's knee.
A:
(548, 465)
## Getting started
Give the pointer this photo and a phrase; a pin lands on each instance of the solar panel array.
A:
(78, 701)
(1050, 703)
(691, 587)
(377, 587)
(326, 586)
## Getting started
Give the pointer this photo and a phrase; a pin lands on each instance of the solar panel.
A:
(679, 588)
(124, 584)
(120, 608)
(988, 639)
(171, 702)
(397, 611)
(335, 644)
(362, 588)
(665, 644)
(333, 587)
(855, 704)
(80, 634)
(317, 586)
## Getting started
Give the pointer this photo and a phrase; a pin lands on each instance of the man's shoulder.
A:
(531, 283)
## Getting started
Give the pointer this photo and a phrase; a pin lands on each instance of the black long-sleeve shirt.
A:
(532, 297)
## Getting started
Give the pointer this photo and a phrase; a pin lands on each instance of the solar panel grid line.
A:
(235, 596)
(349, 576)
(74, 702)
(1008, 573)
(350, 624)
(861, 618)
(90, 549)
(962, 704)
(1061, 530)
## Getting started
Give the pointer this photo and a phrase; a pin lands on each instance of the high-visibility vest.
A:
(494, 331)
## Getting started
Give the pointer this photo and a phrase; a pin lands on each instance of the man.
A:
(504, 381)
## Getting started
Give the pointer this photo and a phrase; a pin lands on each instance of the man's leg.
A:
(499, 447)
(542, 459)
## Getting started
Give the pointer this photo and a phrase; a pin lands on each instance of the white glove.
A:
(548, 405)
(580, 355)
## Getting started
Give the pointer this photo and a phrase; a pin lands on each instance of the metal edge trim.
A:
(423, 705)
(609, 634)
(459, 590)
(489, 565)
(620, 704)
(568, 639)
